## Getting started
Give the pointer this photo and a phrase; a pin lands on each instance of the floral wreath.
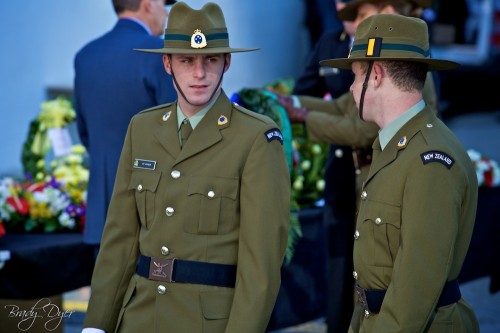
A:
(49, 198)
(305, 159)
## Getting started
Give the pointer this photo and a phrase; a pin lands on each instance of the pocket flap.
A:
(216, 186)
(382, 213)
(216, 304)
(144, 181)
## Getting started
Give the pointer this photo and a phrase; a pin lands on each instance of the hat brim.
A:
(434, 64)
(211, 50)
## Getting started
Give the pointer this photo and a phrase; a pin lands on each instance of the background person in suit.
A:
(418, 203)
(198, 223)
(113, 83)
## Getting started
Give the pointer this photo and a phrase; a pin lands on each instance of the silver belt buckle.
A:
(362, 299)
(161, 269)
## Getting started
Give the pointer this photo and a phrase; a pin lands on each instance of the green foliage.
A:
(306, 159)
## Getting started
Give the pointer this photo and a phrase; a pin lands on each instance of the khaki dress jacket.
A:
(223, 198)
(413, 229)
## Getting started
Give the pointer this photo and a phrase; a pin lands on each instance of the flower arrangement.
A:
(306, 160)
(487, 170)
(51, 198)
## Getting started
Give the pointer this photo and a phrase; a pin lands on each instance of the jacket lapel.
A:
(207, 132)
(167, 134)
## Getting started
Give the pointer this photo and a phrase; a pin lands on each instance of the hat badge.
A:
(198, 40)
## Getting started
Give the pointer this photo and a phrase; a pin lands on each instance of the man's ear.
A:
(228, 61)
(166, 64)
(378, 73)
(147, 5)
(387, 9)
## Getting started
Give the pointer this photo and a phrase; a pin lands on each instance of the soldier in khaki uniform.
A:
(418, 203)
(198, 223)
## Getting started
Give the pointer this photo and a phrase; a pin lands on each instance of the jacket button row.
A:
(364, 195)
(356, 235)
(161, 289)
(169, 211)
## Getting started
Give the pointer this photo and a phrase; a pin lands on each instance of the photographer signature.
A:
(42, 310)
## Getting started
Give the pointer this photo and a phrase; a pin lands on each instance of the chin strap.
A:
(179, 88)
(363, 91)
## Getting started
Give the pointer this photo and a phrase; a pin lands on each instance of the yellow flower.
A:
(316, 149)
(56, 113)
(305, 165)
(320, 185)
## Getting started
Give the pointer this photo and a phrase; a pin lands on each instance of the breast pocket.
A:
(380, 232)
(212, 205)
(145, 184)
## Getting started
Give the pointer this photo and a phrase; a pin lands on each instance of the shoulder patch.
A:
(437, 156)
(274, 134)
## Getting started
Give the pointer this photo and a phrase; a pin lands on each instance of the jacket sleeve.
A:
(337, 122)
(264, 221)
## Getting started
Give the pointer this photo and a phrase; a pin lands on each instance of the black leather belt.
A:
(186, 271)
(371, 300)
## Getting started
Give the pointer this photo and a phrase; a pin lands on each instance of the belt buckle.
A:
(161, 269)
(362, 299)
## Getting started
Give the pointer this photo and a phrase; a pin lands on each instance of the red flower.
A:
(20, 205)
(2, 230)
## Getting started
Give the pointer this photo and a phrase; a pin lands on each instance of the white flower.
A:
(66, 220)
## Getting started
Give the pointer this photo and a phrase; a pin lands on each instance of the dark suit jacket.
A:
(339, 172)
(113, 83)
(339, 195)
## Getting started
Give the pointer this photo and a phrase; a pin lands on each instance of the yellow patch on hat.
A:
(371, 46)
(222, 120)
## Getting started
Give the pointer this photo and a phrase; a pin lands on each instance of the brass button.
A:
(429, 125)
(356, 235)
(211, 194)
(139, 187)
(169, 211)
(339, 153)
(378, 220)
(355, 275)
(367, 313)
(161, 289)
(165, 250)
(364, 195)
(175, 174)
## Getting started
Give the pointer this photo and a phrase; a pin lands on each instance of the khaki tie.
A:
(186, 130)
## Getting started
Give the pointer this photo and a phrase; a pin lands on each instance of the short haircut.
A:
(122, 5)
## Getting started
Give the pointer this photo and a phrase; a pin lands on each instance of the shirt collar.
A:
(388, 132)
(195, 119)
